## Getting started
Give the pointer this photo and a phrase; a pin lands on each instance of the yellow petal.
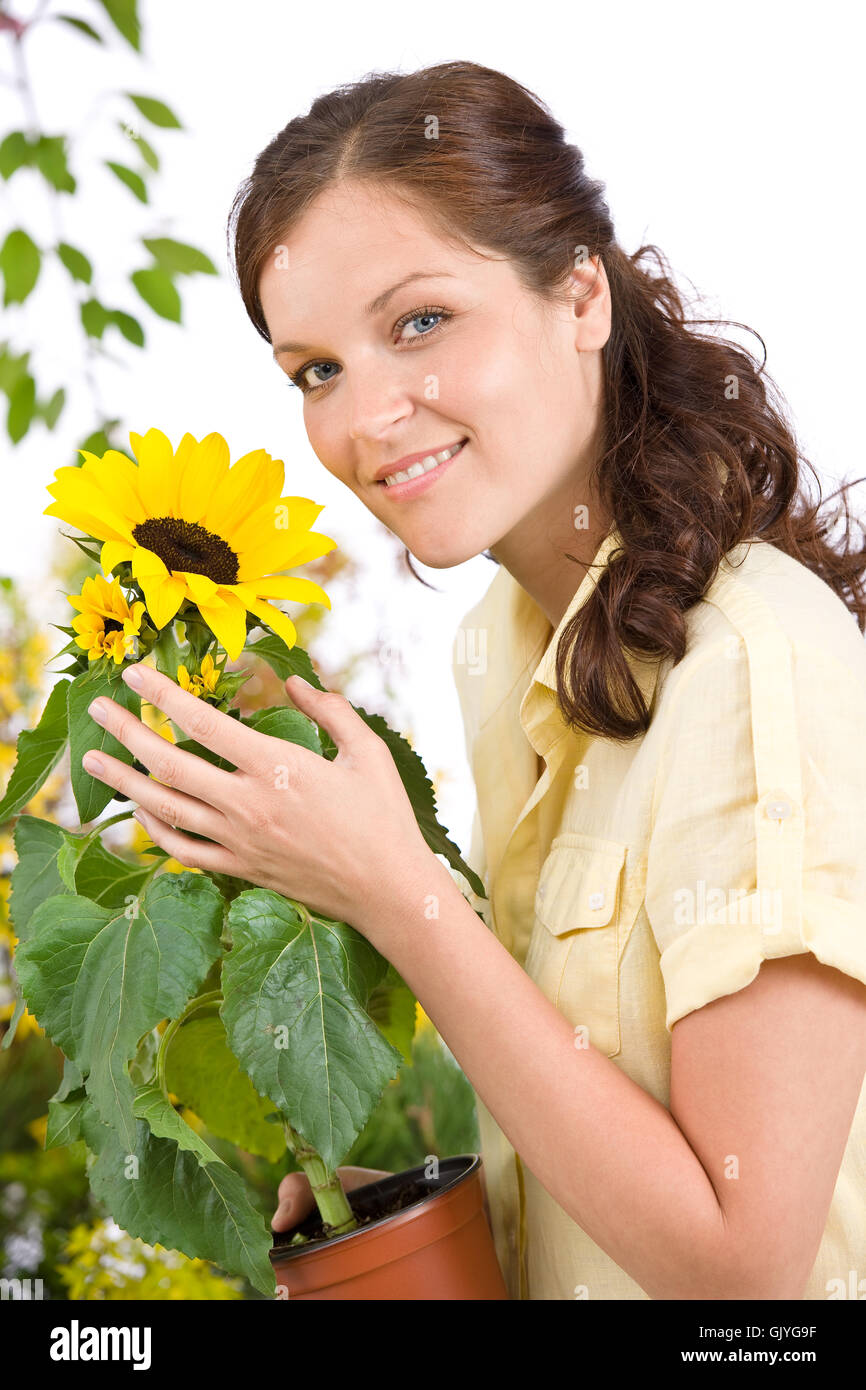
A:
(118, 478)
(254, 480)
(76, 514)
(275, 555)
(146, 564)
(281, 624)
(156, 472)
(206, 467)
(285, 586)
(113, 553)
(164, 597)
(200, 587)
(228, 623)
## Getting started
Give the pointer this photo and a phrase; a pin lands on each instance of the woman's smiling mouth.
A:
(420, 475)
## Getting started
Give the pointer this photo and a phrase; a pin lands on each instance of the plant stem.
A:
(172, 1028)
(337, 1216)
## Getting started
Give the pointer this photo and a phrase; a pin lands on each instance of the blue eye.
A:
(297, 378)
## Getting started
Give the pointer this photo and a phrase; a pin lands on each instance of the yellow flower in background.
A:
(195, 528)
(204, 684)
(106, 625)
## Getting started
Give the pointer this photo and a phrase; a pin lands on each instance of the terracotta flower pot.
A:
(421, 1238)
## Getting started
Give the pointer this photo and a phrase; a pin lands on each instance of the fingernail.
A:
(132, 675)
(93, 764)
(303, 682)
(98, 711)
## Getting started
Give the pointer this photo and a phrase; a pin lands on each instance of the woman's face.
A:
(462, 354)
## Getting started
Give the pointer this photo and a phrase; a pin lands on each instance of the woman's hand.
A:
(329, 833)
(296, 1196)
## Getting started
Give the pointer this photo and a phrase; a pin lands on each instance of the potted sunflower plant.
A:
(197, 992)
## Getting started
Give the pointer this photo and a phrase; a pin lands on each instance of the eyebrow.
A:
(375, 306)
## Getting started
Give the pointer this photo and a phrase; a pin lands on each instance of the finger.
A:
(210, 727)
(164, 803)
(193, 854)
(185, 772)
(331, 710)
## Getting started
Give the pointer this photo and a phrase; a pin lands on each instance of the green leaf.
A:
(72, 1080)
(80, 24)
(12, 369)
(178, 258)
(155, 111)
(147, 152)
(36, 876)
(124, 16)
(49, 156)
(296, 992)
(39, 752)
(12, 1027)
(177, 1193)
(157, 290)
(22, 408)
(392, 1007)
(16, 152)
(76, 262)
(64, 1120)
(129, 326)
(94, 318)
(50, 410)
(134, 182)
(290, 724)
(98, 978)
(206, 1076)
(20, 261)
(419, 788)
(91, 794)
(107, 879)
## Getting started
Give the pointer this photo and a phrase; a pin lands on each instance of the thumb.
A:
(331, 710)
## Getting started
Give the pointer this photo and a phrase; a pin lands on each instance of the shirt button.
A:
(779, 809)
(596, 900)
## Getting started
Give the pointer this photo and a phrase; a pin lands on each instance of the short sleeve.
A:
(758, 840)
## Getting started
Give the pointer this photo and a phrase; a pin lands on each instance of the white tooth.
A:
(446, 454)
(415, 470)
(398, 477)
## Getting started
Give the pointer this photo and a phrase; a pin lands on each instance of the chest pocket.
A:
(585, 905)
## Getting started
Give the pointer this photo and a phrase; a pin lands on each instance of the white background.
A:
(731, 136)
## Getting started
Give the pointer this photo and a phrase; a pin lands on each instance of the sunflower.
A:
(195, 529)
(203, 684)
(107, 624)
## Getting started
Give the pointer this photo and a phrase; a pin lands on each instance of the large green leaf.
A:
(170, 1188)
(107, 879)
(39, 752)
(295, 1013)
(392, 1007)
(205, 1075)
(97, 978)
(102, 677)
(36, 876)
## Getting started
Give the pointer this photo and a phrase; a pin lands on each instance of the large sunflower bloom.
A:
(196, 529)
(107, 624)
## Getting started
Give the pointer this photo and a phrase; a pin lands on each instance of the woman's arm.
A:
(725, 1195)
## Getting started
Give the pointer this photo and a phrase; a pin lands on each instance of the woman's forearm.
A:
(608, 1153)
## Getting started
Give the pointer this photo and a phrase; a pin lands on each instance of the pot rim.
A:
(471, 1164)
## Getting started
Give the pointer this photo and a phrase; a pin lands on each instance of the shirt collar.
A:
(523, 630)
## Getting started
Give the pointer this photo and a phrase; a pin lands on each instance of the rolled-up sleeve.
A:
(758, 840)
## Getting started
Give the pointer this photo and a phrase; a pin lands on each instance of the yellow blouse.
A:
(636, 882)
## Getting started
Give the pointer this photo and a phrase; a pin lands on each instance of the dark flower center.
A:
(184, 545)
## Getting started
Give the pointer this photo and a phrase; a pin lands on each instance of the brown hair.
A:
(697, 453)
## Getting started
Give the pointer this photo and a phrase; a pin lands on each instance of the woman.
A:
(664, 693)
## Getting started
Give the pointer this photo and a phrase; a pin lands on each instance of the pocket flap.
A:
(579, 883)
